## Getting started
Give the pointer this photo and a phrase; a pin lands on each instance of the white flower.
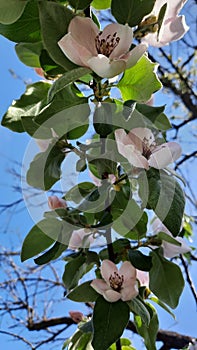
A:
(80, 239)
(170, 250)
(106, 53)
(116, 284)
(140, 149)
(143, 278)
(55, 202)
(173, 26)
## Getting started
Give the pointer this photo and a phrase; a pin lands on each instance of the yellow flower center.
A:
(107, 45)
(116, 281)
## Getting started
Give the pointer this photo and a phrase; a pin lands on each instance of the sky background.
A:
(15, 227)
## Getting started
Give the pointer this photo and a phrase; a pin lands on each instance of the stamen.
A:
(116, 281)
(107, 45)
(148, 147)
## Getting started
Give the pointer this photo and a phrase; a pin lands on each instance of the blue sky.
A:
(12, 148)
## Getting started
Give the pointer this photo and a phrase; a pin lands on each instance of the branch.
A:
(188, 277)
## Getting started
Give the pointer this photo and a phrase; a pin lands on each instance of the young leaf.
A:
(139, 308)
(66, 79)
(166, 280)
(109, 322)
(101, 4)
(83, 293)
(131, 11)
(148, 333)
(40, 237)
(140, 81)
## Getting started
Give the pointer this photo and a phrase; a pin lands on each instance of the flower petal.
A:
(134, 55)
(164, 154)
(172, 250)
(74, 51)
(124, 33)
(127, 270)
(105, 68)
(55, 202)
(99, 285)
(111, 295)
(137, 135)
(129, 292)
(107, 269)
(84, 31)
(143, 278)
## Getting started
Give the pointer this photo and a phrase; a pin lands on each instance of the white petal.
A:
(143, 278)
(171, 250)
(74, 51)
(127, 270)
(142, 134)
(107, 269)
(105, 68)
(99, 285)
(84, 31)
(134, 55)
(130, 292)
(124, 33)
(165, 154)
(111, 295)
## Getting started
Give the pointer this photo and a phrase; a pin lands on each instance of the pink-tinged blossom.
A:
(170, 250)
(173, 26)
(106, 53)
(140, 149)
(55, 202)
(143, 278)
(81, 238)
(76, 316)
(116, 284)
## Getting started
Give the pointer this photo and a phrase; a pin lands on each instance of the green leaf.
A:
(120, 248)
(131, 11)
(40, 237)
(139, 308)
(102, 120)
(45, 169)
(51, 68)
(26, 28)
(35, 130)
(165, 237)
(165, 197)
(11, 10)
(77, 193)
(54, 19)
(155, 115)
(66, 79)
(83, 293)
(79, 4)
(101, 4)
(109, 322)
(29, 53)
(52, 254)
(148, 333)
(29, 104)
(140, 81)
(74, 270)
(164, 306)
(59, 114)
(166, 280)
(139, 260)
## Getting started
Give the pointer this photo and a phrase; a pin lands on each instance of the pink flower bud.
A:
(76, 316)
(55, 202)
